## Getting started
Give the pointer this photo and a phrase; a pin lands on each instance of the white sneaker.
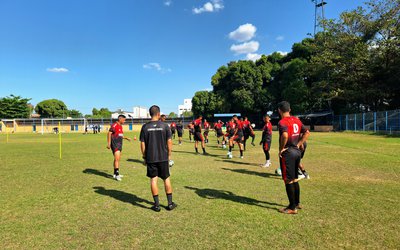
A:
(241, 157)
(118, 177)
(230, 155)
(300, 177)
(267, 164)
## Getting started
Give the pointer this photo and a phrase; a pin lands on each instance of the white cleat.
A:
(241, 157)
(118, 177)
(267, 164)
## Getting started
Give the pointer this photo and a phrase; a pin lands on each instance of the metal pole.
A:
(386, 113)
(374, 121)
(355, 122)
(363, 117)
(347, 121)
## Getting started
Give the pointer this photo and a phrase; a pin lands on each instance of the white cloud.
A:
(245, 48)
(57, 70)
(280, 38)
(283, 53)
(156, 66)
(244, 33)
(253, 56)
(167, 2)
(212, 6)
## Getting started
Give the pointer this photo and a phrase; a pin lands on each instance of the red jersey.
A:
(173, 125)
(206, 126)
(217, 126)
(246, 124)
(294, 127)
(197, 125)
(116, 130)
(267, 133)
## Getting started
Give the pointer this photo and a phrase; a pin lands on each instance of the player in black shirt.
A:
(156, 147)
(179, 129)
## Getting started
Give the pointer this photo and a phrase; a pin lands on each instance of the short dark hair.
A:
(154, 110)
(121, 116)
(284, 106)
(163, 116)
(234, 116)
(199, 116)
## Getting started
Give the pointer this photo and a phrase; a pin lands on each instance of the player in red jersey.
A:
(219, 133)
(198, 137)
(206, 130)
(115, 137)
(292, 135)
(236, 137)
(266, 140)
(173, 129)
(248, 132)
(191, 130)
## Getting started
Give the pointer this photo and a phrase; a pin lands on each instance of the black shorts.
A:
(238, 138)
(116, 147)
(158, 169)
(173, 131)
(266, 146)
(220, 133)
(290, 164)
(206, 133)
(198, 136)
(180, 133)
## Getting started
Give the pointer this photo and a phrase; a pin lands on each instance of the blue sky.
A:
(125, 53)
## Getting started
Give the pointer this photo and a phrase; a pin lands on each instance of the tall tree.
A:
(14, 107)
(52, 108)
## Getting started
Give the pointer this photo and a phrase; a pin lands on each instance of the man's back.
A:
(155, 135)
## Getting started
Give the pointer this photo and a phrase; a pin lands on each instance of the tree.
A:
(187, 114)
(100, 113)
(74, 113)
(172, 115)
(52, 108)
(14, 107)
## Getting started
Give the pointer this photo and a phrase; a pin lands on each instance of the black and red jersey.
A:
(246, 124)
(267, 133)
(173, 125)
(217, 126)
(206, 126)
(197, 125)
(294, 127)
(117, 135)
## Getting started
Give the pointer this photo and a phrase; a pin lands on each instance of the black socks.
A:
(116, 171)
(297, 193)
(241, 152)
(290, 191)
(169, 198)
(197, 150)
(204, 150)
(156, 201)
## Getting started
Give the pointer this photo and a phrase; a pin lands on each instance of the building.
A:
(187, 106)
(140, 112)
(115, 114)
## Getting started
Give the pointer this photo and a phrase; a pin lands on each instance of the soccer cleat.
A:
(266, 165)
(253, 144)
(241, 157)
(300, 177)
(224, 146)
(306, 175)
(287, 211)
(118, 177)
(278, 171)
(156, 208)
(171, 206)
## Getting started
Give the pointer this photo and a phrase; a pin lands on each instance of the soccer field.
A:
(349, 202)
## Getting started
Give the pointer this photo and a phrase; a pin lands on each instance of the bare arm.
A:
(303, 139)
(109, 140)
(143, 149)
(169, 143)
(282, 143)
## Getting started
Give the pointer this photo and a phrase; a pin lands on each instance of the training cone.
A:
(134, 138)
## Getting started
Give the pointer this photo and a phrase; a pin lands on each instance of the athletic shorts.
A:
(266, 146)
(220, 133)
(158, 169)
(238, 138)
(116, 147)
(180, 133)
(173, 131)
(206, 133)
(198, 136)
(290, 163)
(247, 134)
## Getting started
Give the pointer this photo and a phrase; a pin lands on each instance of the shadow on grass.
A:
(97, 172)
(208, 193)
(135, 160)
(238, 162)
(194, 153)
(123, 196)
(249, 172)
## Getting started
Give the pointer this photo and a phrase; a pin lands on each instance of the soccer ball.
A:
(171, 163)
(253, 125)
(278, 171)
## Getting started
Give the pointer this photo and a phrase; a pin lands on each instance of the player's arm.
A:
(304, 137)
(169, 144)
(282, 142)
(109, 139)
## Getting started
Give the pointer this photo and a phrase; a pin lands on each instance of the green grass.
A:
(351, 200)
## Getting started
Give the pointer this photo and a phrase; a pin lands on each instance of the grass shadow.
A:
(97, 172)
(194, 153)
(238, 162)
(123, 196)
(208, 193)
(250, 172)
(135, 160)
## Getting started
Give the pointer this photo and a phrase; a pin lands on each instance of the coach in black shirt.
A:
(156, 146)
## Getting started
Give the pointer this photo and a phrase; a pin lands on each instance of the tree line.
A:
(351, 66)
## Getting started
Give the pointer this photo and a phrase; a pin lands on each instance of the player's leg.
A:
(117, 157)
(241, 147)
(154, 192)
(267, 155)
(289, 175)
(253, 137)
(196, 143)
(163, 171)
(296, 185)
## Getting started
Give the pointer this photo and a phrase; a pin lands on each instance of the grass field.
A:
(47, 203)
